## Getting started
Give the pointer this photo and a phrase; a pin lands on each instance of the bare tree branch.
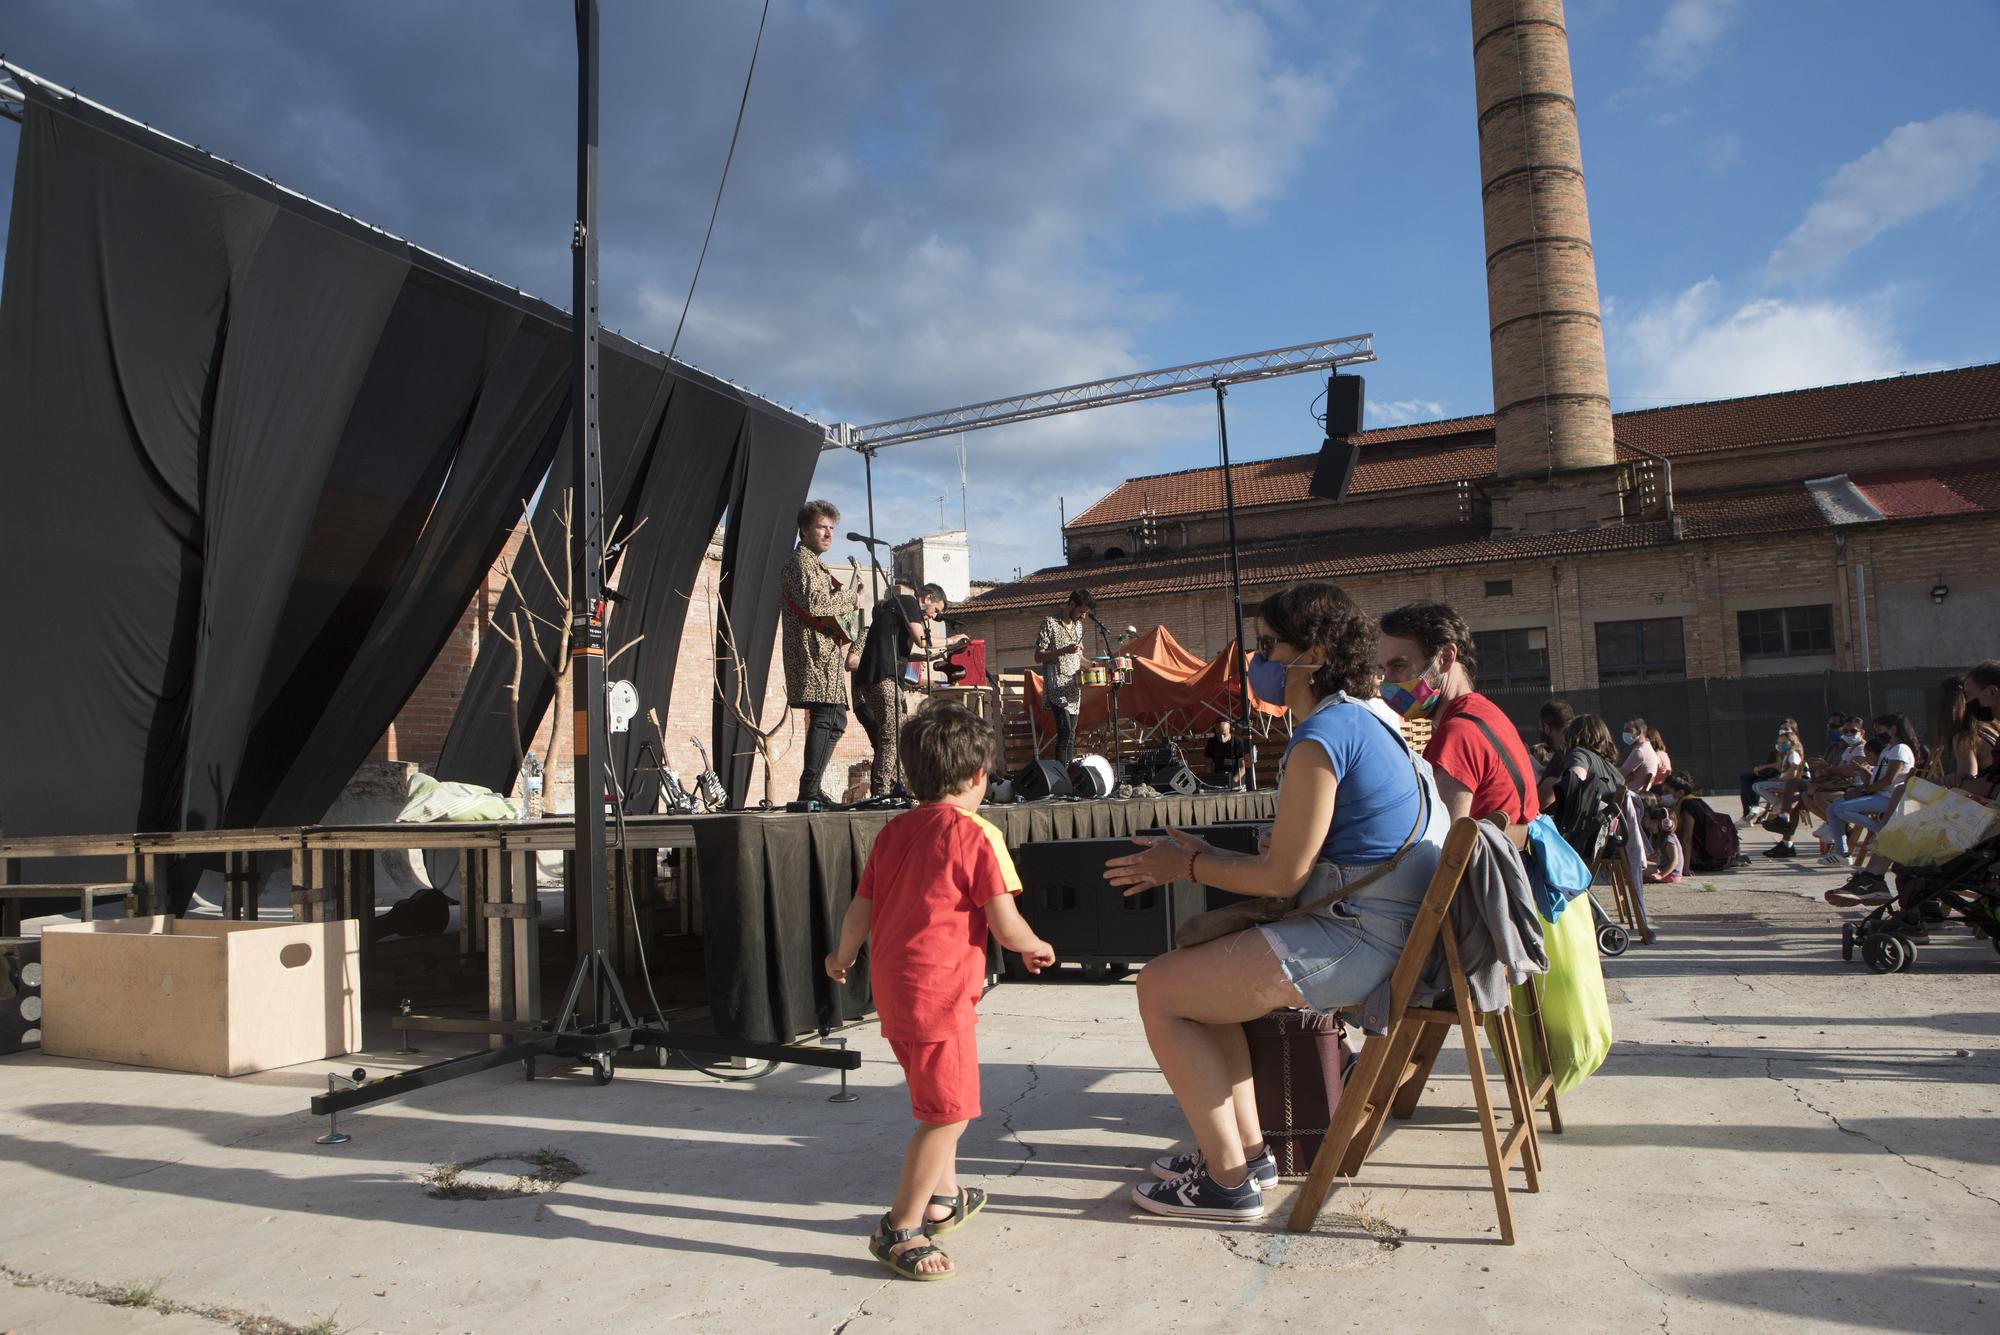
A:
(629, 644)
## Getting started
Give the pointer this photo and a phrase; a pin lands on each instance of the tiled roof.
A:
(1462, 448)
(1371, 552)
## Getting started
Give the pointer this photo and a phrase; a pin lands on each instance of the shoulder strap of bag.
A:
(1520, 787)
(1409, 841)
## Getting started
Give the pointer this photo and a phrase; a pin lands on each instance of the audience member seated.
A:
(1666, 862)
(1893, 741)
(1690, 813)
(1845, 759)
(1429, 668)
(1963, 754)
(1554, 733)
(1789, 754)
(1755, 807)
(1641, 760)
(1576, 790)
(1662, 766)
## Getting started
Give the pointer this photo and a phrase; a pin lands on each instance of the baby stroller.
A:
(1968, 885)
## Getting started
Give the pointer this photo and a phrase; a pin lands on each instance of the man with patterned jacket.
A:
(817, 657)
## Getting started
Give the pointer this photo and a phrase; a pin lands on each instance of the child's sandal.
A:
(968, 1202)
(905, 1263)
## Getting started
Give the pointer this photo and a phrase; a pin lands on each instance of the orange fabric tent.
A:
(1170, 688)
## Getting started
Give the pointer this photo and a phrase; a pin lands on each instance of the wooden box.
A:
(216, 998)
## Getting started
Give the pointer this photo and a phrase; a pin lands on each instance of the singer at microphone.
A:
(1059, 649)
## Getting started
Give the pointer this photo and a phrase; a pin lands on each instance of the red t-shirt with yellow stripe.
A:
(930, 876)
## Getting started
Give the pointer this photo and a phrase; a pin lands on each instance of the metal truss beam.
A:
(1245, 367)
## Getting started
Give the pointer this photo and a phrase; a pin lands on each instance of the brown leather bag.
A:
(1295, 1063)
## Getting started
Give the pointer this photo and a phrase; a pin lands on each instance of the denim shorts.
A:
(1338, 955)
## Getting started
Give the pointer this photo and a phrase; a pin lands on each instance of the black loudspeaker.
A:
(20, 994)
(1176, 779)
(1344, 395)
(1092, 923)
(1337, 457)
(1041, 778)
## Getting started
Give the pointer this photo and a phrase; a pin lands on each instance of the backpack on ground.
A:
(1712, 841)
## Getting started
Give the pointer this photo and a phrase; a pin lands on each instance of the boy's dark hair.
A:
(1433, 626)
(814, 511)
(1082, 598)
(1557, 714)
(1680, 783)
(943, 747)
(1306, 616)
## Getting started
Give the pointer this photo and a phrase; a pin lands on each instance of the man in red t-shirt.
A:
(1428, 667)
(937, 879)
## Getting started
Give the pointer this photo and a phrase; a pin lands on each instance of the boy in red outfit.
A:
(936, 881)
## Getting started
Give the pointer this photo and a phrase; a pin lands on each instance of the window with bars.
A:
(1512, 659)
(1785, 632)
(1650, 650)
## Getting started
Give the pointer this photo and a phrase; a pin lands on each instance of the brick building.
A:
(1836, 530)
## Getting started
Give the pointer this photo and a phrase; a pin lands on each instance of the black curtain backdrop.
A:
(257, 458)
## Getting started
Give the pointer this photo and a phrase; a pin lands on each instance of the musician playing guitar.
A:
(818, 642)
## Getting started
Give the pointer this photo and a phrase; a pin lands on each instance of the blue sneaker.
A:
(1199, 1196)
(1263, 1168)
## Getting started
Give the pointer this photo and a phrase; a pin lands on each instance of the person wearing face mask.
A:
(1982, 702)
(1789, 759)
(1757, 803)
(1357, 835)
(1641, 761)
(1428, 670)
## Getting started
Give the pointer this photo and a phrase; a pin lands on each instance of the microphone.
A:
(864, 538)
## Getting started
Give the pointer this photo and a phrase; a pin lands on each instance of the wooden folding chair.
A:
(1385, 1063)
(1410, 1088)
(1625, 902)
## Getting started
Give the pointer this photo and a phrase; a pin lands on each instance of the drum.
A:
(1095, 674)
(1121, 669)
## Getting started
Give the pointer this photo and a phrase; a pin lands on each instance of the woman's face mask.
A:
(1416, 697)
(1627, 737)
(1268, 677)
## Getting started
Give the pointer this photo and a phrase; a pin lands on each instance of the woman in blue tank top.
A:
(1354, 798)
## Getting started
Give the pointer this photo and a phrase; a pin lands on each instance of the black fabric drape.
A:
(773, 469)
(257, 458)
(775, 887)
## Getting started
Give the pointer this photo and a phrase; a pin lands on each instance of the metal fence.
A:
(1717, 727)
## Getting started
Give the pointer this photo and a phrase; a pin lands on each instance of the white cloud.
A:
(1919, 167)
(1721, 152)
(1686, 37)
(1398, 412)
(1697, 345)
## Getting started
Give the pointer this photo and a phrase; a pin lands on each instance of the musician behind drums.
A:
(1059, 649)
(817, 646)
(890, 654)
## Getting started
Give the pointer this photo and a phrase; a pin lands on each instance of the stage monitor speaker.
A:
(1089, 921)
(1338, 455)
(1176, 779)
(1041, 778)
(1091, 776)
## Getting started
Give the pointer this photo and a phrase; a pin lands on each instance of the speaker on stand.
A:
(1338, 456)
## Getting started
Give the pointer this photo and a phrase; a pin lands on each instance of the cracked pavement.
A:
(1780, 1141)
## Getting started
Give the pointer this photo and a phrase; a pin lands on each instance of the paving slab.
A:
(1779, 1141)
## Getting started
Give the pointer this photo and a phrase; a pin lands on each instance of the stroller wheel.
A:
(1909, 959)
(1613, 940)
(1884, 952)
(1847, 940)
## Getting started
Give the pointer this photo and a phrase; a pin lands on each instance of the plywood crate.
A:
(217, 998)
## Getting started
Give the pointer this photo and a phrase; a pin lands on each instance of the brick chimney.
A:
(1551, 398)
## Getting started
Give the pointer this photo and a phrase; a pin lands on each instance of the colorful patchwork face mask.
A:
(1414, 698)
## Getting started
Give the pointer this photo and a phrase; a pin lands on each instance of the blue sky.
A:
(938, 204)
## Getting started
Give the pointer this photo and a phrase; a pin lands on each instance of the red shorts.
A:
(943, 1077)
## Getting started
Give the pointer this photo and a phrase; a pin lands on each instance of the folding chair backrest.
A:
(1432, 914)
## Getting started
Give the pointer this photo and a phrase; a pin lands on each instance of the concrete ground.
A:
(1779, 1141)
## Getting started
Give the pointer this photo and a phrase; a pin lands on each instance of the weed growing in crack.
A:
(138, 1295)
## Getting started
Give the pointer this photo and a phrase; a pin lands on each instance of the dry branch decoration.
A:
(548, 639)
(738, 701)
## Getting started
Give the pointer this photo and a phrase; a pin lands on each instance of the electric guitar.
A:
(847, 625)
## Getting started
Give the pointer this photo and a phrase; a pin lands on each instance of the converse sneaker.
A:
(1263, 1168)
(1199, 1196)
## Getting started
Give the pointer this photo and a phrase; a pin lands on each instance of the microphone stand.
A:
(1111, 657)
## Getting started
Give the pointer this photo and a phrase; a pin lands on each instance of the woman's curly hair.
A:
(1309, 616)
(1588, 731)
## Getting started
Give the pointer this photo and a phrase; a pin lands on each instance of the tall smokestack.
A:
(1551, 398)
